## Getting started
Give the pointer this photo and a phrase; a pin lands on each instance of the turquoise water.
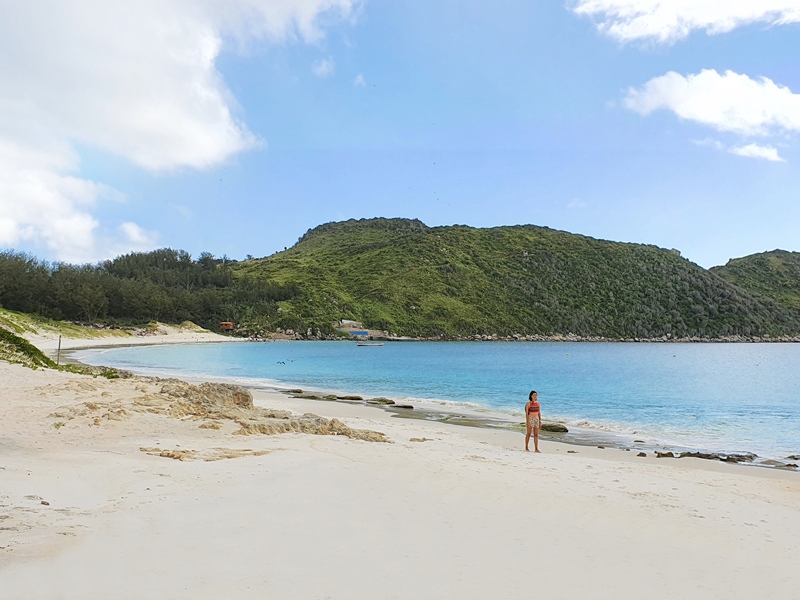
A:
(717, 397)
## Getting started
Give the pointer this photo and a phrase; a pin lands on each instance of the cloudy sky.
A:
(233, 127)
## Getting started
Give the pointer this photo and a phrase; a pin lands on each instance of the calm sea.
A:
(715, 397)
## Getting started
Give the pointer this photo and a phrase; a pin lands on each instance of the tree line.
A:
(162, 285)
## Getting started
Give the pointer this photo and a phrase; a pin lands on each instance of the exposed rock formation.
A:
(213, 404)
(211, 395)
(554, 427)
(735, 458)
(385, 401)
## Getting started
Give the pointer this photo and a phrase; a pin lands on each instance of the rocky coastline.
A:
(289, 335)
(551, 430)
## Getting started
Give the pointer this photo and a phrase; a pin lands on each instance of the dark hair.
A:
(530, 396)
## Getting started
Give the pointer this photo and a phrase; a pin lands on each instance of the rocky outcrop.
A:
(381, 401)
(778, 464)
(725, 457)
(554, 428)
(210, 394)
(212, 404)
(308, 423)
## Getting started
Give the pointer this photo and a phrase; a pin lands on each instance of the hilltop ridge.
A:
(404, 277)
(774, 275)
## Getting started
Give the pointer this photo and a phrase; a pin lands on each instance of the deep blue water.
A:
(720, 397)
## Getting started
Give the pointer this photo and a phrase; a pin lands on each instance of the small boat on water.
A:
(369, 343)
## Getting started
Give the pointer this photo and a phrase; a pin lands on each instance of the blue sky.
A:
(235, 127)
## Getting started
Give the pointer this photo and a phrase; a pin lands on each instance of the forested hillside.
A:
(163, 285)
(406, 278)
(774, 275)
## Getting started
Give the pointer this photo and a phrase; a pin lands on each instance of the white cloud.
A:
(359, 81)
(751, 150)
(136, 81)
(727, 102)
(133, 234)
(666, 21)
(756, 151)
(324, 67)
(37, 200)
(710, 143)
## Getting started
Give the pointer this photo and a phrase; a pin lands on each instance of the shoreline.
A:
(486, 418)
(191, 508)
(49, 343)
(566, 338)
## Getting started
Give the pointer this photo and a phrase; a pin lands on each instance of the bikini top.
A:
(533, 408)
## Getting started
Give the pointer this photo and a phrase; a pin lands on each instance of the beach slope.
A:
(120, 489)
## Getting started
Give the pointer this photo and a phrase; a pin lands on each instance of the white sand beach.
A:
(108, 491)
(49, 341)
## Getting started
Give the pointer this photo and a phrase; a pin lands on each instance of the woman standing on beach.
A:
(533, 419)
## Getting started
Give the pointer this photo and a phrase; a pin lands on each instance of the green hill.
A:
(774, 275)
(407, 278)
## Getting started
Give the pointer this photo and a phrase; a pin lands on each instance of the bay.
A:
(685, 396)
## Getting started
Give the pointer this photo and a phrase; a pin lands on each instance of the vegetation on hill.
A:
(134, 289)
(403, 277)
(774, 275)
(24, 325)
(406, 278)
(15, 349)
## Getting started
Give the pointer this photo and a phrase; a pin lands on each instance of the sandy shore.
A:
(93, 504)
(48, 342)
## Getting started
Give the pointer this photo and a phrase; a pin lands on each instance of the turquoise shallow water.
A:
(717, 397)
